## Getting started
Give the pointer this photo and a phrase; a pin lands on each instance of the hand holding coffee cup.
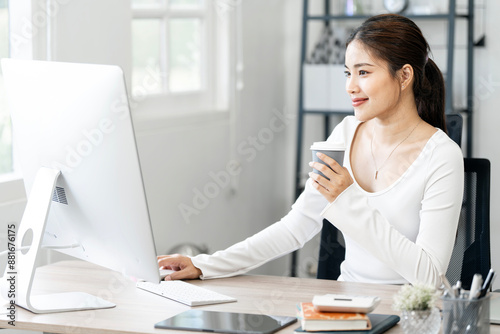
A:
(331, 149)
(332, 156)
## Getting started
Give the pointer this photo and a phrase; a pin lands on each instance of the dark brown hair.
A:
(399, 41)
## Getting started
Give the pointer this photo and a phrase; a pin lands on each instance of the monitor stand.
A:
(33, 225)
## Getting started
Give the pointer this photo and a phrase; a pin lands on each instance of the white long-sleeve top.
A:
(402, 234)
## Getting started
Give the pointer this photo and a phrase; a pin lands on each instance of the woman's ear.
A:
(406, 76)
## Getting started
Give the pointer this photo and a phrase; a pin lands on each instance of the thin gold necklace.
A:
(377, 169)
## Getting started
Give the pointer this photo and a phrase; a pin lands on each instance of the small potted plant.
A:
(417, 304)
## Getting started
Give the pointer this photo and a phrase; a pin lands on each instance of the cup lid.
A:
(328, 146)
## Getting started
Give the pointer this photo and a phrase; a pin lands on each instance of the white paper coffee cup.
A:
(333, 150)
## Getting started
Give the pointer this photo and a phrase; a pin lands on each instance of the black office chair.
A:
(471, 253)
(454, 124)
(331, 252)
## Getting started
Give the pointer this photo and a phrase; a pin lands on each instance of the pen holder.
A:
(464, 316)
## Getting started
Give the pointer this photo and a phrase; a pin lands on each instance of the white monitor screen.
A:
(76, 118)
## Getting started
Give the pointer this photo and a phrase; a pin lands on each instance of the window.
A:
(5, 129)
(179, 54)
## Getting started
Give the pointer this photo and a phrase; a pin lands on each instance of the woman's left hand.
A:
(339, 176)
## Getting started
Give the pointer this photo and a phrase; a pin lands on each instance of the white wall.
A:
(178, 161)
(487, 118)
(91, 31)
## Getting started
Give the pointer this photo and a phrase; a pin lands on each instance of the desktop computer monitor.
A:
(74, 141)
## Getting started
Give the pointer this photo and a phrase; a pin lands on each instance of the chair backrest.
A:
(471, 253)
(454, 124)
(331, 252)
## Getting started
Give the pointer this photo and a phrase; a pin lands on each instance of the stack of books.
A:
(339, 321)
(313, 320)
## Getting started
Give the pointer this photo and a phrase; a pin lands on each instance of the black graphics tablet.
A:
(225, 322)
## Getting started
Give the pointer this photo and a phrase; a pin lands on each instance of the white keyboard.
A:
(185, 293)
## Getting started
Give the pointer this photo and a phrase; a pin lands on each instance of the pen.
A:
(487, 283)
(493, 280)
(447, 286)
(457, 289)
(475, 287)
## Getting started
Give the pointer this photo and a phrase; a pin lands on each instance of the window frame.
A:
(213, 95)
(23, 46)
(5, 112)
(152, 112)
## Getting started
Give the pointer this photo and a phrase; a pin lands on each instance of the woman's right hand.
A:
(182, 265)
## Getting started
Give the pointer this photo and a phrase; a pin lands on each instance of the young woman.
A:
(397, 198)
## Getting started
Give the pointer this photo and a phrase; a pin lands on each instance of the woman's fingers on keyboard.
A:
(173, 262)
(183, 266)
(185, 273)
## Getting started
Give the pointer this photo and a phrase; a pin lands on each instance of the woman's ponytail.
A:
(430, 95)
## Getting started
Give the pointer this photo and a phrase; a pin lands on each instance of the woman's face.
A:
(374, 92)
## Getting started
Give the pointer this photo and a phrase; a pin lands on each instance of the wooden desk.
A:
(137, 311)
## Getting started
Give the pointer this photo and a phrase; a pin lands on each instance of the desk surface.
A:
(137, 311)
